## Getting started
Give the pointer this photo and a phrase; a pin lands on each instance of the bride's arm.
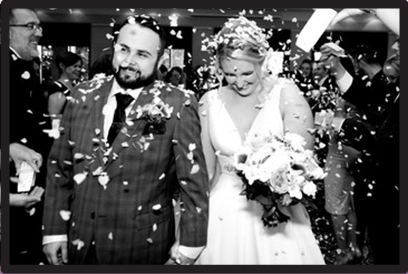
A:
(208, 149)
(296, 113)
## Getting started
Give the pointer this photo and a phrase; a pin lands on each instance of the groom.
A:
(109, 193)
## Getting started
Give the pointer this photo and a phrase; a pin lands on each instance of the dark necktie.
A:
(123, 101)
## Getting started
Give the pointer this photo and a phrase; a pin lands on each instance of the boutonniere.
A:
(156, 113)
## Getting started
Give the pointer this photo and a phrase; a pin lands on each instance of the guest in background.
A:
(101, 66)
(162, 72)
(175, 77)
(338, 185)
(26, 119)
(69, 66)
(378, 140)
(303, 77)
(191, 80)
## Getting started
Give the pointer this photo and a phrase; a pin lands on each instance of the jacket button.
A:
(93, 215)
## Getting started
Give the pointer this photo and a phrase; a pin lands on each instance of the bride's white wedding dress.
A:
(236, 234)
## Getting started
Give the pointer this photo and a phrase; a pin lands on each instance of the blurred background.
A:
(89, 32)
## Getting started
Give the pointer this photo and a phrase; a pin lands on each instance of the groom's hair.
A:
(146, 22)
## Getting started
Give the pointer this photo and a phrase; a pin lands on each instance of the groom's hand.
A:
(56, 253)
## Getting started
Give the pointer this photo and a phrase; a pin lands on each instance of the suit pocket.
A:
(148, 219)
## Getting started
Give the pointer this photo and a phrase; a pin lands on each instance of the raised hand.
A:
(345, 13)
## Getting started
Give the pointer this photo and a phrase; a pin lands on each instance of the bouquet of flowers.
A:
(277, 172)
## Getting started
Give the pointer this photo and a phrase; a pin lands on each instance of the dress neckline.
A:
(242, 137)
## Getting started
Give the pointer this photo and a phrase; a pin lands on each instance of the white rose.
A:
(310, 189)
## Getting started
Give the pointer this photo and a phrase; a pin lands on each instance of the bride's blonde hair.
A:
(240, 39)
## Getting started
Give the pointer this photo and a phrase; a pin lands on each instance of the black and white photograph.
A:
(202, 136)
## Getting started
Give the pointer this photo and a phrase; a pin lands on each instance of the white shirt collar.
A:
(117, 89)
(15, 52)
(321, 81)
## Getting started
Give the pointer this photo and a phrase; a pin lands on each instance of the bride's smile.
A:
(241, 76)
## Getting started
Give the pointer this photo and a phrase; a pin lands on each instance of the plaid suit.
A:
(131, 220)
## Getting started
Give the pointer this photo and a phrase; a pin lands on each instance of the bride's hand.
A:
(177, 258)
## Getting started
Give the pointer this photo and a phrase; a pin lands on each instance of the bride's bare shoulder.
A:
(209, 96)
(290, 90)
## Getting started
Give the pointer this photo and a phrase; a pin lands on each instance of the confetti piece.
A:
(195, 169)
(71, 143)
(78, 156)
(192, 146)
(80, 177)
(156, 207)
(103, 180)
(32, 211)
(79, 244)
(125, 144)
(26, 75)
(65, 214)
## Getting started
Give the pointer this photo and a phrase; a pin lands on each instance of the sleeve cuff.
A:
(191, 252)
(338, 123)
(54, 239)
(345, 82)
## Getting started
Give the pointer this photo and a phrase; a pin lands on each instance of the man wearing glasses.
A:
(26, 119)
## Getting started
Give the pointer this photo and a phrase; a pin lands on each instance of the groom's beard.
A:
(126, 81)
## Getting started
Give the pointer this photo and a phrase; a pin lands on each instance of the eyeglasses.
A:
(29, 26)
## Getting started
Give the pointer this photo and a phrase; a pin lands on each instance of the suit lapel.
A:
(99, 101)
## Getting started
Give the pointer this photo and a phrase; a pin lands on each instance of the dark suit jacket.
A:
(26, 105)
(374, 99)
(26, 120)
(132, 220)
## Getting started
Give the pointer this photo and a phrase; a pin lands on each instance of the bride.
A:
(250, 104)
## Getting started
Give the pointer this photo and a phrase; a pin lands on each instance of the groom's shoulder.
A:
(173, 94)
(95, 83)
(93, 86)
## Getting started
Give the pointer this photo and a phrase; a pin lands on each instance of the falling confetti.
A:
(156, 207)
(26, 75)
(103, 180)
(65, 215)
(78, 243)
(80, 177)
(195, 169)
